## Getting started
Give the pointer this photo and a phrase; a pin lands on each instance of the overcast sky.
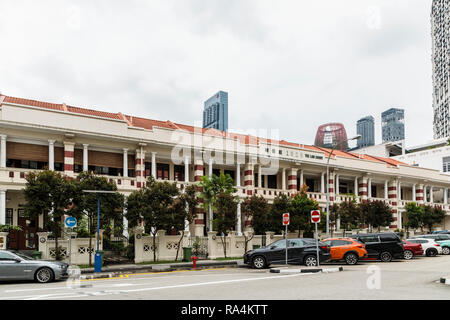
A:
(289, 65)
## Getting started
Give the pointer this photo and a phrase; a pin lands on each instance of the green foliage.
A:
(300, 213)
(50, 194)
(376, 213)
(414, 215)
(213, 186)
(8, 227)
(431, 216)
(226, 216)
(257, 208)
(349, 212)
(281, 204)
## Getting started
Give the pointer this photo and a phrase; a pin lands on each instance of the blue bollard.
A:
(98, 262)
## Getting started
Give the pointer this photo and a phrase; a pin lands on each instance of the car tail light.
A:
(326, 248)
(437, 245)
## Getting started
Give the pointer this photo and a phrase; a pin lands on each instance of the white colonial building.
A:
(126, 149)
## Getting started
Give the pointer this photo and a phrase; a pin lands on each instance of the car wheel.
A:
(310, 261)
(386, 256)
(432, 252)
(408, 255)
(351, 258)
(445, 250)
(259, 262)
(44, 275)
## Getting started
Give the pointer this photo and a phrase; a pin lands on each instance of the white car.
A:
(430, 247)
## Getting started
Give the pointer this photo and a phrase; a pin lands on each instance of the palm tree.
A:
(212, 187)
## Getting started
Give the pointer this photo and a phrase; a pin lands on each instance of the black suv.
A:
(300, 251)
(383, 246)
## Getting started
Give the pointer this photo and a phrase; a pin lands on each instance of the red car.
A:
(412, 249)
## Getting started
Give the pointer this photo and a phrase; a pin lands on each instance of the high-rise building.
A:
(366, 128)
(215, 112)
(393, 124)
(440, 34)
(331, 135)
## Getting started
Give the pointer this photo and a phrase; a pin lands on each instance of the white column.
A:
(85, 157)
(431, 194)
(414, 192)
(125, 163)
(369, 188)
(210, 167)
(2, 206)
(445, 195)
(186, 169)
(154, 165)
(301, 178)
(283, 179)
(125, 223)
(259, 177)
(3, 151)
(238, 179)
(322, 183)
(51, 155)
(356, 186)
(386, 193)
(399, 194)
(239, 220)
(336, 190)
(425, 194)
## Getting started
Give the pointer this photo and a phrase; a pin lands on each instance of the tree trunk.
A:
(154, 246)
(222, 238)
(90, 241)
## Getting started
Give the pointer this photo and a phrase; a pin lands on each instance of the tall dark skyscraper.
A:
(393, 125)
(366, 128)
(440, 35)
(215, 112)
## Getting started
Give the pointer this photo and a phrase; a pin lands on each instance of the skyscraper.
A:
(366, 128)
(440, 34)
(331, 135)
(215, 112)
(393, 125)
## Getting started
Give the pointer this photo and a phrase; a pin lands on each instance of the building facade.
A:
(393, 125)
(215, 112)
(366, 128)
(331, 134)
(440, 35)
(126, 150)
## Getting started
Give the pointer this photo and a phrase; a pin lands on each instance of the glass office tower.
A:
(215, 112)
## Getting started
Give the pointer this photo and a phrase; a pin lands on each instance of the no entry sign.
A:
(285, 219)
(315, 216)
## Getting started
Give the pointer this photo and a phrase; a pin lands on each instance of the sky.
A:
(288, 66)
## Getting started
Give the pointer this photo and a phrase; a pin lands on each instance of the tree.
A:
(48, 193)
(349, 214)
(212, 187)
(300, 213)
(281, 204)
(414, 214)
(154, 205)
(184, 210)
(432, 215)
(376, 213)
(226, 216)
(257, 208)
(87, 203)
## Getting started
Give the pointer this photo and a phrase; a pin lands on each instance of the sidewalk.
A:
(120, 269)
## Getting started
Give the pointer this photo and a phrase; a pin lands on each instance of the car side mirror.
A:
(272, 247)
(17, 260)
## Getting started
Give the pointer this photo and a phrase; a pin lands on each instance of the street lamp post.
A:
(328, 181)
(98, 257)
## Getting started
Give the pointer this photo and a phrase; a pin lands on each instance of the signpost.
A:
(71, 223)
(286, 223)
(315, 218)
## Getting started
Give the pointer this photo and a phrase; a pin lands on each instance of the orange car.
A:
(346, 249)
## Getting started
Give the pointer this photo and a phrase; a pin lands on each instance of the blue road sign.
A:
(70, 222)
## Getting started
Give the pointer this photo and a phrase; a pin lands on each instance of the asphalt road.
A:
(415, 279)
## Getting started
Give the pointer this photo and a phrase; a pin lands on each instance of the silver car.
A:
(16, 266)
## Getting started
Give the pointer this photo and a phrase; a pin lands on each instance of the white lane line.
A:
(185, 285)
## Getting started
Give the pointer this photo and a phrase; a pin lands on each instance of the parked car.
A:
(347, 249)
(383, 246)
(436, 236)
(17, 266)
(445, 245)
(300, 251)
(430, 246)
(441, 231)
(412, 249)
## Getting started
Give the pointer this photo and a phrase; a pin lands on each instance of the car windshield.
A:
(23, 256)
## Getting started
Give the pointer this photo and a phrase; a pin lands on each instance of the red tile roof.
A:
(149, 124)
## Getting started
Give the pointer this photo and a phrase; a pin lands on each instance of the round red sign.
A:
(315, 216)
(285, 219)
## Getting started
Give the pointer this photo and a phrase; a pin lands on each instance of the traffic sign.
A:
(70, 222)
(285, 219)
(315, 216)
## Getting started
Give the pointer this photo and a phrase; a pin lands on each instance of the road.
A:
(415, 279)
